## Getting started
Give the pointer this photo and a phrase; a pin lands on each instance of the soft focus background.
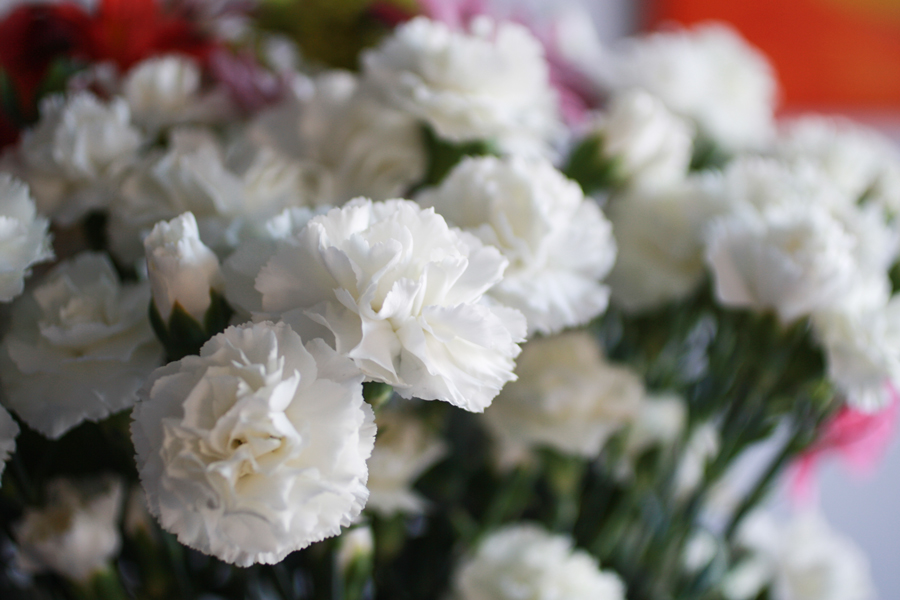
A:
(834, 56)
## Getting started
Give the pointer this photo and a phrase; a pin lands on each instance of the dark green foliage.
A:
(587, 166)
(183, 335)
(443, 155)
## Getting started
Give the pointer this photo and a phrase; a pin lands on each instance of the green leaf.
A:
(377, 394)
(443, 155)
(218, 315)
(589, 168)
(707, 155)
(159, 326)
(186, 335)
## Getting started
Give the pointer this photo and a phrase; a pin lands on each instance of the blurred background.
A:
(835, 57)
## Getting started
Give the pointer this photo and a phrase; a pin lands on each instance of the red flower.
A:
(128, 31)
(125, 32)
(389, 13)
(33, 36)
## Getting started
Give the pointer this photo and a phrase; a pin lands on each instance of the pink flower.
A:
(457, 14)
(249, 84)
(858, 438)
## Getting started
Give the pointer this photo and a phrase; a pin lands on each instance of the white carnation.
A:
(362, 146)
(857, 160)
(273, 181)
(488, 83)
(368, 148)
(79, 347)
(76, 534)
(649, 145)
(23, 237)
(400, 293)
(754, 186)
(166, 90)
(757, 183)
(229, 204)
(567, 397)
(803, 559)
(708, 74)
(863, 352)
(405, 449)
(524, 561)
(255, 448)
(9, 430)
(793, 260)
(76, 154)
(660, 236)
(181, 268)
(245, 263)
(558, 243)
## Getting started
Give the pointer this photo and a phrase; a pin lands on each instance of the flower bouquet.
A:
(364, 300)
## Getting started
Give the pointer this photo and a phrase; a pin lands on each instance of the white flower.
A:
(756, 188)
(863, 352)
(651, 147)
(374, 151)
(558, 243)
(166, 90)
(708, 74)
(567, 397)
(181, 268)
(244, 264)
(79, 347)
(857, 160)
(701, 549)
(405, 449)
(23, 237)
(255, 448)
(794, 260)
(76, 534)
(229, 204)
(490, 83)
(660, 236)
(273, 181)
(702, 446)
(9, 430)
(756, 182)
(356, 544)
(801, 560)
(74, 157)
(524, 561)
(367, 148)
(660, 420)
(400, 293)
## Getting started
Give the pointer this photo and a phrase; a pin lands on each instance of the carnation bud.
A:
(354, 559)
(182, 269)
(188, 306)
(357, 544)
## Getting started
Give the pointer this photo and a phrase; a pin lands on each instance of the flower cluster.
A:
(281, 290)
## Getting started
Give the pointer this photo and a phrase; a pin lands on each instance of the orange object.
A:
(835, 54)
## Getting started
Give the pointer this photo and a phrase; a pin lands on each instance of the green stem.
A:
(511, 498)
